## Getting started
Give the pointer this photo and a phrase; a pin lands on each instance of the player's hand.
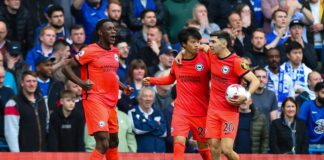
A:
(146, 81)
(178, 58)
(237, 101)
(204, 47)
(87, 85)
(128, 90)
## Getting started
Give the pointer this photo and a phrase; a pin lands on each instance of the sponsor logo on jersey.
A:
(244, 65)
(116, 57)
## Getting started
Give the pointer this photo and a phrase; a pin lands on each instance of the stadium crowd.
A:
(281, 40)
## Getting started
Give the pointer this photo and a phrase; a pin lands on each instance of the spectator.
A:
(277, 77)
(36, 9)
(9, 78)
(19, 23)
(296, 10)
(219, 16)
(114, 11)
(136, 71)
(150, 53)
(148, 123)
(66, 129)
(315, 32)
(253, 132)
(163, 92)
(124, 52)
(14, 61)
(278, 34)
(242, 41)
(55, 14)
(6, 94)
(69, 20)
(50, 88)
(127, 140)
(257, 52)
(309, 53)
(200, 13)
(61, 53)
(268, 7)
(175, 18)
(135, 9)
(25, 118)
(88, 13)
(45, 48)
(249, 22)
(78, 39)
(139, 39)
(312, 112)
(264, 99)
(288, 134)
(165, 61)
(77, 90)
(294, 67)
(3, 35)
(313, 78)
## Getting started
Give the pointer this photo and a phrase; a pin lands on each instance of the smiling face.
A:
(289, 109)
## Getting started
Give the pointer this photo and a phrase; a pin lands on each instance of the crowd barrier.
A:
(144, 156)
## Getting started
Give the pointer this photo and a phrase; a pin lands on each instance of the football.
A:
(234, 91)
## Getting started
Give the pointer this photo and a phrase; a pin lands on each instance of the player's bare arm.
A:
(127, 89)
(69, 73)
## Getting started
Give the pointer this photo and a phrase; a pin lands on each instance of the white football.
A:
(234, 91)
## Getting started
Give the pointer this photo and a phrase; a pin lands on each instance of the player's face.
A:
(262, 76)
(108, 32)
(215, 44)
(273, 58)
(290, 109)
(296, 56)
(146, 99)
(192, 45)
(138, 73)
(29, 84)
(68, 103)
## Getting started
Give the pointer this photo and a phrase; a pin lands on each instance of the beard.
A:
(57, 26)
(320, 100)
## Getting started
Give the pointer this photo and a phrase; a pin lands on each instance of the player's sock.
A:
(178, 151)
(112, 154)
(205, 153)
(96, 155)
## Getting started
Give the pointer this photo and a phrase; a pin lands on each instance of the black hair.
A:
(293, 45)
(319, 86)
(101, 22)
(222, 35)
(54, 8)
(174, 92)
(76, 27)
(184, 34)
(59, 44)
(267, 51)
(258, 68)
(143, 14)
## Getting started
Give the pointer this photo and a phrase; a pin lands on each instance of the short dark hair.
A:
(267, 51)
(184, 34)
(273, 16)
(68, 94)
(143, 14)
(54, 8)
(28, 73)
(258, 30)
(60, 44)
(101, 22)
(293, 45)
(258, 68)
(157, 27)
(222, 35)
(76, 27)
(319, 86)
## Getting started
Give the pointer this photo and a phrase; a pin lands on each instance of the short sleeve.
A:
(84, 56)
(240, 67)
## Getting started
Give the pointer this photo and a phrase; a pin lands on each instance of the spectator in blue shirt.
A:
(148, 123)
(279, 33)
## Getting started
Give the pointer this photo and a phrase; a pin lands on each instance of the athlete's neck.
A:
(103, 45)
(188, 55)
(224, 53)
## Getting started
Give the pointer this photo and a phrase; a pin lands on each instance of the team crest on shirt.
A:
(101, 124)
(81, 53)
(225, 69)
(244, 65)
(116, 57)
(199, 67)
